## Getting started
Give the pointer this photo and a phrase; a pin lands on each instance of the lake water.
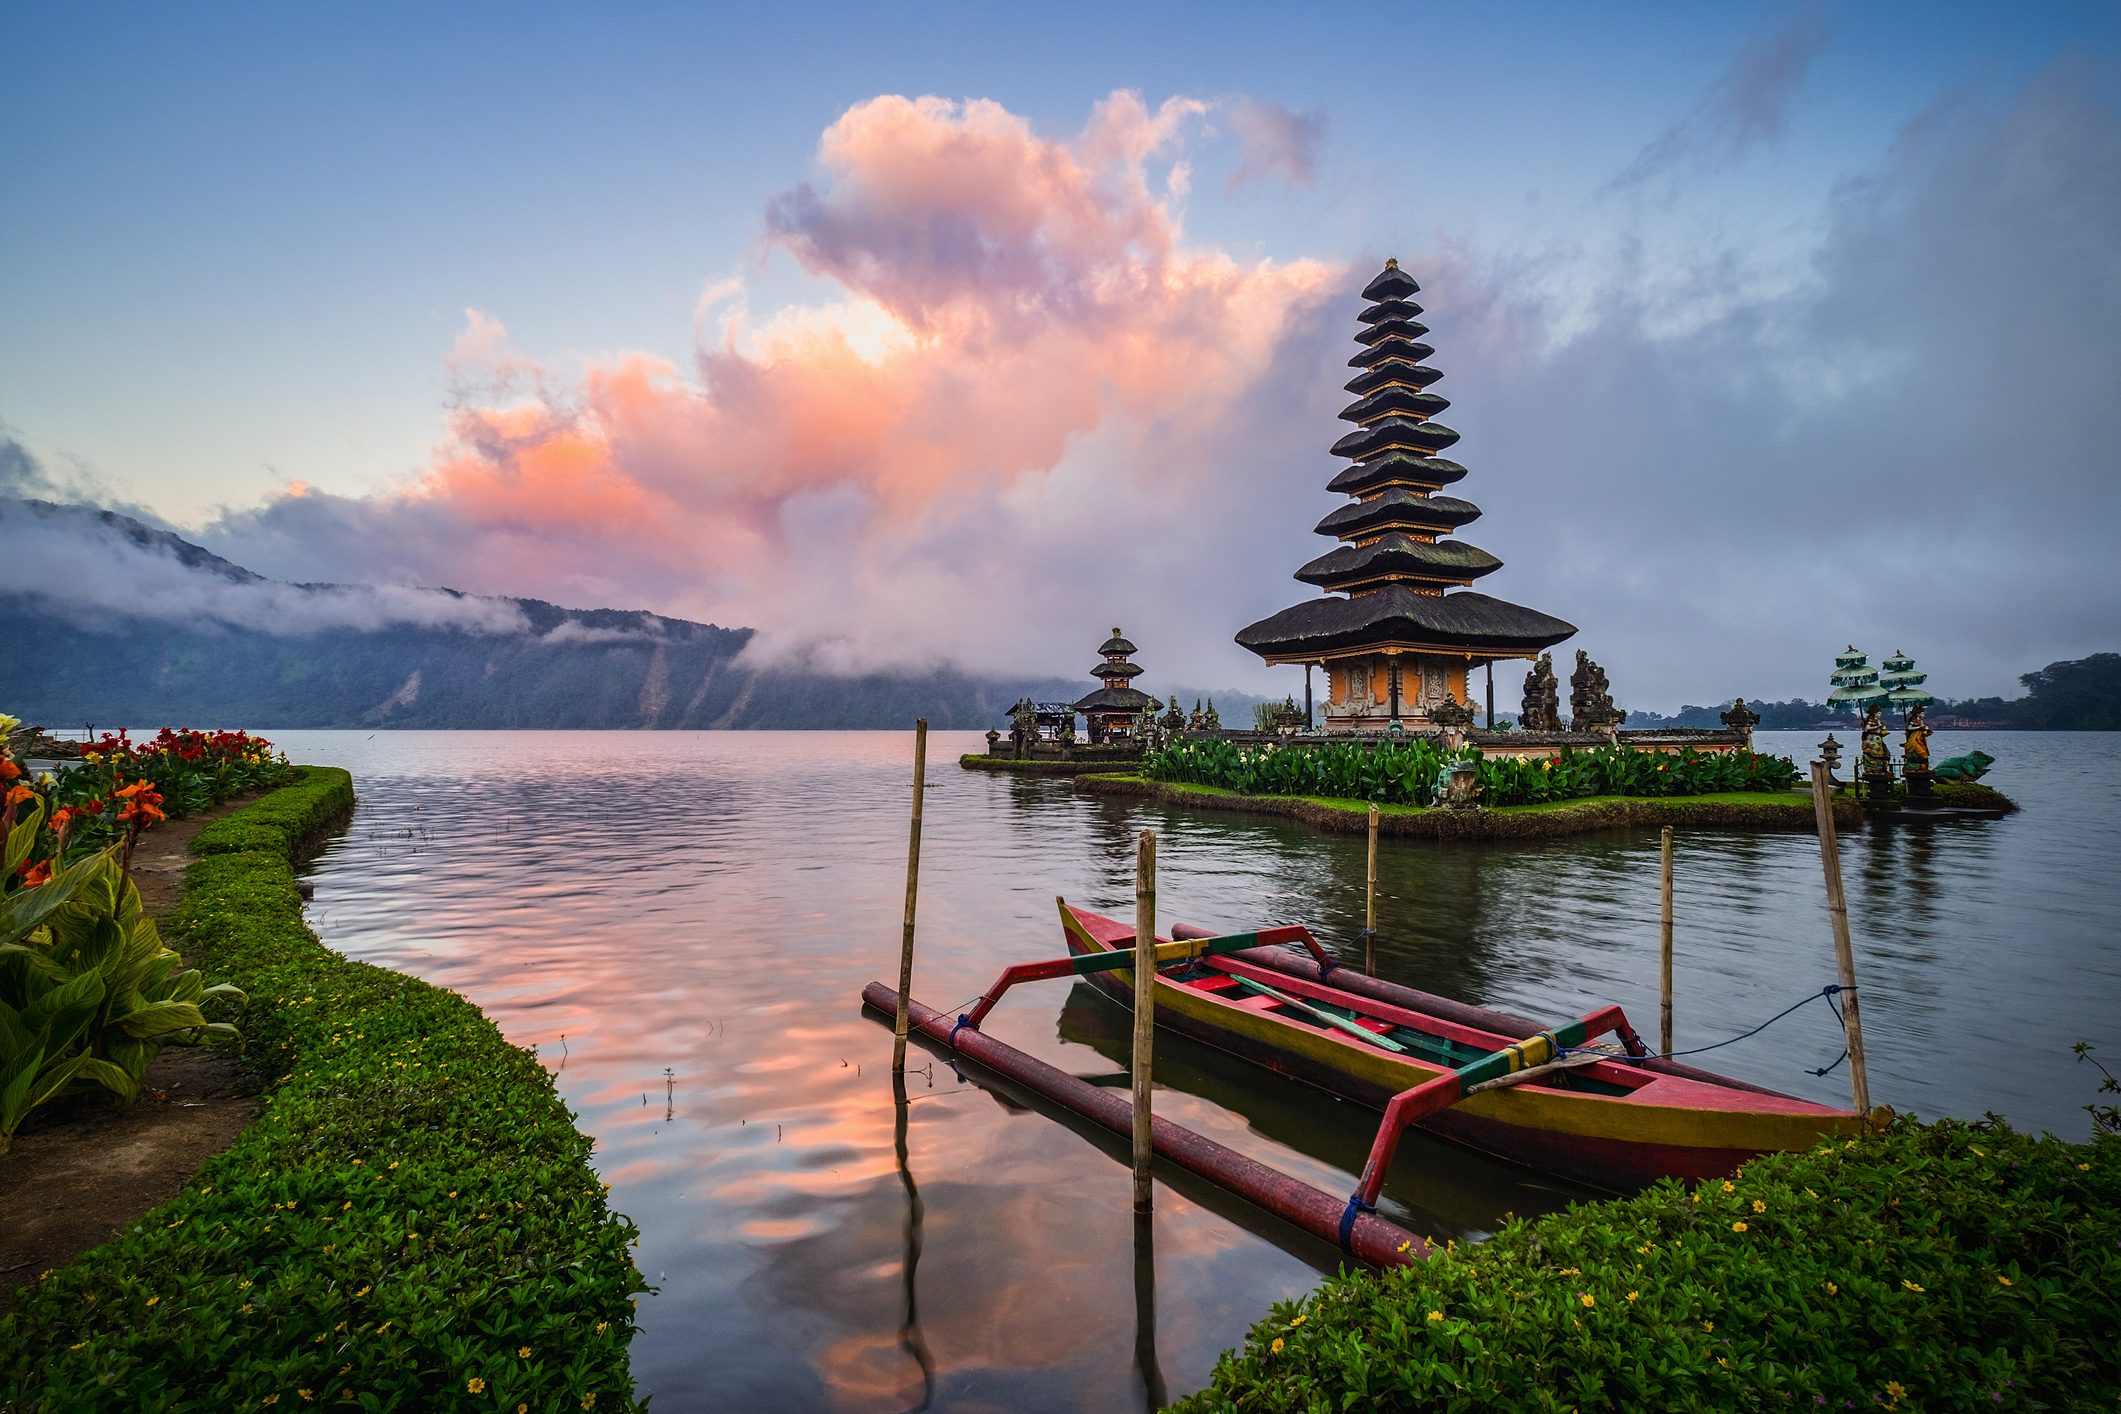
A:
(681, 924)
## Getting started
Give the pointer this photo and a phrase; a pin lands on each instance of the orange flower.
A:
(36, 874)
(8, 769)
(17, 794)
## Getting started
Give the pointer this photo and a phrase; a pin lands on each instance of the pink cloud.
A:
(1020, 320)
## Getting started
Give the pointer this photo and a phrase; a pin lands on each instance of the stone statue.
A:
(1877, 758)
(1450, 712)
(1915, 759)
(1211, 718)
(1023, 734)
(1175, 718)
(1970, 767)
(1197, 722)
(1742, 720)
(1542, 698)
(994, 742)
(1066, 735)
(1915, 752)
(1591, 706)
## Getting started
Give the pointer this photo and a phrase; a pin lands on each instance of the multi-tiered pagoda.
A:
(1113, 710)
(1395, 640)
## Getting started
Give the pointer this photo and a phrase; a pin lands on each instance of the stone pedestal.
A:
(1878, 787)
(1920, 792)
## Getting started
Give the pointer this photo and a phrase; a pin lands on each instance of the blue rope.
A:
(1827, 992)
(962, 1023)
(1347, 1220)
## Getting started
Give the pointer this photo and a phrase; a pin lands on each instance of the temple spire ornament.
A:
(1398, 629)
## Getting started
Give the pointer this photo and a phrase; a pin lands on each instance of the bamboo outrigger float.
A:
(1493, 1082)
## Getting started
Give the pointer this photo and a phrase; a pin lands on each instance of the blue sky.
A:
(242, 241)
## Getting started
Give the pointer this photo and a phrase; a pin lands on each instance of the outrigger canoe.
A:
(1541, 1098)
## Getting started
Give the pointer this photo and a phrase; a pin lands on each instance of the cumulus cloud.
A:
(1022, 343)
(1276, 143)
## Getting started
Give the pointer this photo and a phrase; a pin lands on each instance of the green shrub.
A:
(1934, 1267)
(411, 1223)
(1404, 773)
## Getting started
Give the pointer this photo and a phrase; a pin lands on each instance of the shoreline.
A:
(1730, 810)
(411, 1177)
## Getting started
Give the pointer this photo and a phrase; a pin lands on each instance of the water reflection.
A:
(909, 1334)
(712, 937)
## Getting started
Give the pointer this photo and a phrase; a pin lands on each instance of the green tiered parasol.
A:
(1855, 681)
(1902, 684)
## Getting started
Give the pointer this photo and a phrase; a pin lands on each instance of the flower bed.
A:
(1405, 773)
(1945, 1266)
(411, 1223)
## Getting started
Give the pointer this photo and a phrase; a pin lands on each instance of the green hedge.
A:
(1934, 1267)
(411, 1223)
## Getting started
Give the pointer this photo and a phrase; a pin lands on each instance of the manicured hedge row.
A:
(411, 1223)
(1934, 1267)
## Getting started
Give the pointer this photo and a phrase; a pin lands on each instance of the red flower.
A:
(8, 769)
(34, 874)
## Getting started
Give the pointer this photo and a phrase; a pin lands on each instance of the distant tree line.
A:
(2081, 695)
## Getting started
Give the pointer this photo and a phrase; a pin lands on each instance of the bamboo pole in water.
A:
(913, 887)
(1144, 1011)
(1369, 906)
(1844, 954)
(1664, 1017)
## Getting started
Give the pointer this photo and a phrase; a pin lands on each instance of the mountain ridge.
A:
(502, 662)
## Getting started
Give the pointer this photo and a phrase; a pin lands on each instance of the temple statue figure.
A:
(1175, 718)
(1877, 757)
(1023, 730)
(1198, 721)
(1212, 718)
(1915, 752)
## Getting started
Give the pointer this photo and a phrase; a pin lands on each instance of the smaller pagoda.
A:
(1114, 710)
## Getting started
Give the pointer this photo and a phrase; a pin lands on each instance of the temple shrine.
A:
(1397, 630)
(1115, 709)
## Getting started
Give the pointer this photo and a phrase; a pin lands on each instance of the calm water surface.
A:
(681, 924)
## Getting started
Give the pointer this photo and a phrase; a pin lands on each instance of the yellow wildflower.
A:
(523, 1353)
(601, 1325)
(2084, 1168)
(1708, 1325)
(306, 1395)
(2005, 1280)
(1633, 1294)
(1587, 1299)
(1832, 1290)
(475, 1385)
(1297, 1321)
(1572, 1271)
(152, 1300)
(589, 1400)
(1909, 1285)
(1727, 1187)
(1895, 1391)
(1738, 1227)
(1758, 1206)
(1436, 1315)
(1275, 1348)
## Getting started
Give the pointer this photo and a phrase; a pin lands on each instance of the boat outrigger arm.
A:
(1536, 1055)
(1184, 950)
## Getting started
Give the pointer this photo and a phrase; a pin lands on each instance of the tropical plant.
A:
(1404, 773)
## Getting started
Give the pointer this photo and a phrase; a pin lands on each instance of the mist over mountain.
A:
(106, 619)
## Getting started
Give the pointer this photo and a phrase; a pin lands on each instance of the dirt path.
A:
(82, 1172)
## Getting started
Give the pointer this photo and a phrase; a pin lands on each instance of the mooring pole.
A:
(1491, 694)
(1369, 903)
(1664, 1017)
(1144, 1010)
(913, 888)
(1844, 954)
